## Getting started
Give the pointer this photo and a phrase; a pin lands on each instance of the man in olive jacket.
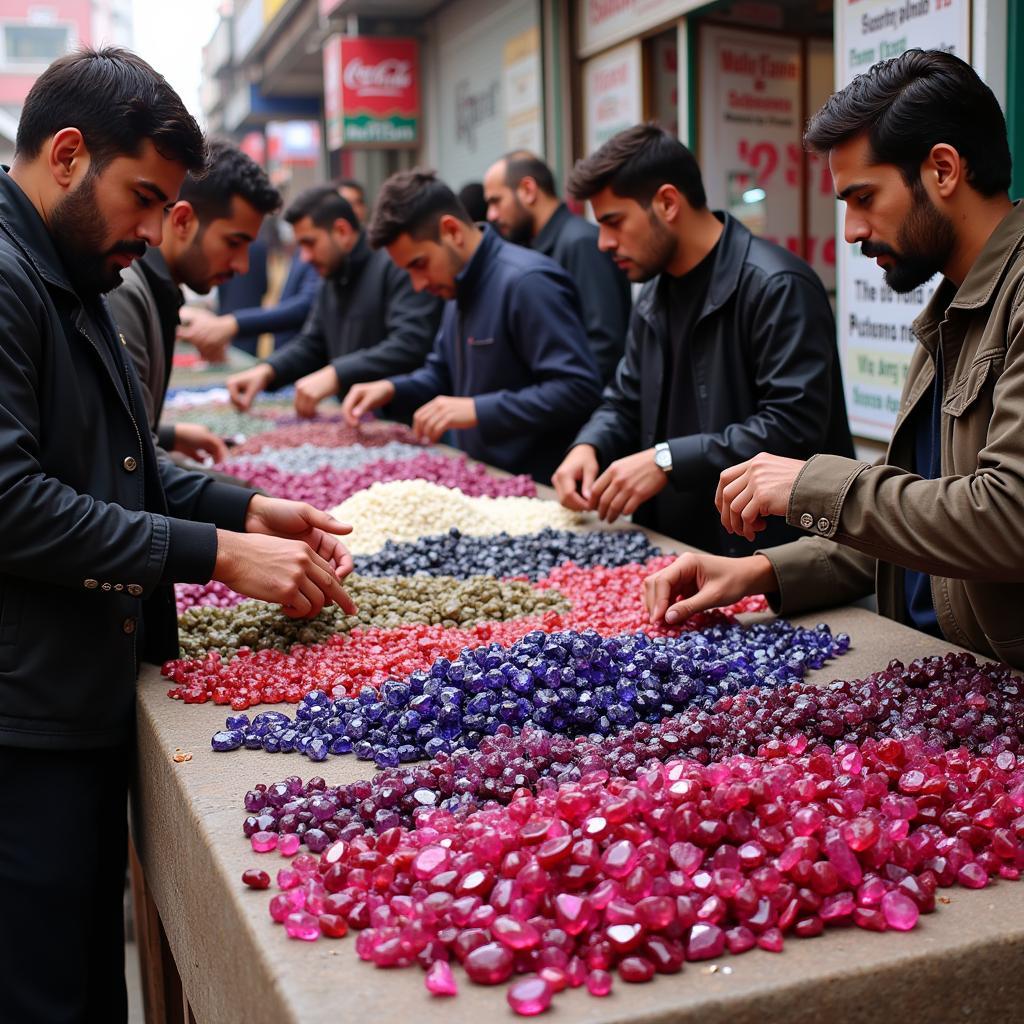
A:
(918, 151)
(95, 526)
(366, 323)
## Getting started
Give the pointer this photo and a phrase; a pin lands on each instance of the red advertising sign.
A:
(378, 91)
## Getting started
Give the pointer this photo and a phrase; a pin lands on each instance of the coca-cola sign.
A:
(372, 95)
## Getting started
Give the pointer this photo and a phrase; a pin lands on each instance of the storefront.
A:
(737, 81)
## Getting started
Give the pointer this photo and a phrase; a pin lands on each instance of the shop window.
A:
(661, 79)
(35, 44)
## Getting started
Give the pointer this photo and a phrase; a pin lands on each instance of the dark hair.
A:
(117, 101)
(471, 195)
(229, 172)
(908, 104)
(340, 183)
(323, 206)
(412, 202)
(521, 163)
(635, 163)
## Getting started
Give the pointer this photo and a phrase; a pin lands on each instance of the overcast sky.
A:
(171, 37)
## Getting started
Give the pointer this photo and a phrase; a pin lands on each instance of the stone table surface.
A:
(962, 963)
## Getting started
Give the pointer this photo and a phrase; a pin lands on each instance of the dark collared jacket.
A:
(605, 300)
(766, 375)
(512, 338)
(93, 529)
(367, 322)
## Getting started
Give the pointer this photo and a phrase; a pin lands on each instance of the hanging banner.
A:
(875, 340)
(612, 93)
(750, 129)
(371, 91)
(522, 92)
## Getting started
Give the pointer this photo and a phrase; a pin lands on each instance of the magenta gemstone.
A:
(489, 964)
(599, 983)
(530, 995)
(263, 842)
(706, 941)
(514, 934)
(973, 876)
(900, 911)
(288, 844)
(440, 981)
(300, 925)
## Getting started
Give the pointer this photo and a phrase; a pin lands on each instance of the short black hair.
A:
(323, 206)
(521, 163)
(413, 202)
(635, 163)
(340, 183)
(117, 101)
(471, 195)
(229, 172)
(910, 103)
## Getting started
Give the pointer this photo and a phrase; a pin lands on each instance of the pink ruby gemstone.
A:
(706, 941)
(529, 996)
(430, 861)
(599, 983)
(900, 911)
(514, 934)
(440, 981)
(972, 876)
(300, 925)
(263, 842)
(288, 844)
(490, 964)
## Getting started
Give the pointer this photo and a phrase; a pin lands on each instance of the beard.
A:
(79, 233)
(925, 242)
(193, 267)
(520, 230)
(657, 254)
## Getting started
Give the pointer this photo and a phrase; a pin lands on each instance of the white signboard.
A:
(523, 128)
(612, 94)
(750, 130)
(602, 23)
(875, 339)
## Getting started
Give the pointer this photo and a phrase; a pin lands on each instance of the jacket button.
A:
(134, 589)
(128, 625)
(119, 586)
(129, 464)
(807, 520)
(823, 524)
(90, 584)
(105, 586)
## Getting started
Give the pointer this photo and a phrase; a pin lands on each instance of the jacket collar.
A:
(548, 235)
(160, 275)
(982, 279)
(22, 222)
(730, 255)
(354, 262)
(468, 278)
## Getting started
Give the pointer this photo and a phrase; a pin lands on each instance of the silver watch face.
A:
(663, 458)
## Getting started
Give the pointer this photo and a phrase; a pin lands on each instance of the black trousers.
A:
(63, 852)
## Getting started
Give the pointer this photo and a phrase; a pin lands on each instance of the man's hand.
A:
(285, 572)
(443, 413)
(364, 398)
(626, 484)
(245, 386)
(755, 489)
(199, 443)
(211, 334)
(297, 520)
(573, 481)
(695, 582)
(312, 389)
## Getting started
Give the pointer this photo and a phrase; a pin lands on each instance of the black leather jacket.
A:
(766, 373)
(367, 322)
(93, 528)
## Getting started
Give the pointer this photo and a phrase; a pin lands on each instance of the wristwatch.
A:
(663, 457)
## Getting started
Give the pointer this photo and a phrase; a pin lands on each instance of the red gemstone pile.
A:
(607, 600)
(683, 863)
(329, 433)
(326, 487)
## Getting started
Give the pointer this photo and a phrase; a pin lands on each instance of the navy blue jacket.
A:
(513, 339)
(94, 524)
(285, 318)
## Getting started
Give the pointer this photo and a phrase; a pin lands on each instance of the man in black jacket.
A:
(522, 204)
(366, 323)
(95, 526)
(731, 350)
(206, 239)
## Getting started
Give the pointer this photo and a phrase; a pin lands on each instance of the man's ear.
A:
(182, 219)
(667, 203)
(943, 169)
(527, 191)
(450, 229)
(343, 229)
(68, 157)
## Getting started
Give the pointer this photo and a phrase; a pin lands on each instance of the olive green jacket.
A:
(965, 528)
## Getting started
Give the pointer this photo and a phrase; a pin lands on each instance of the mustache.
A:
(874, 249)
(134, 248)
